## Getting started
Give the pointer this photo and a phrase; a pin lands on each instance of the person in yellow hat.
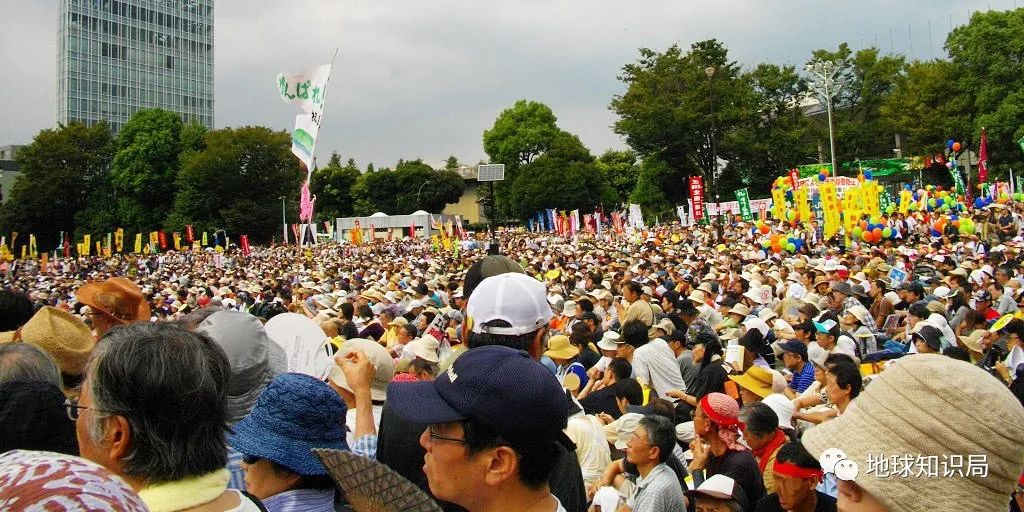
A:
(570, 372)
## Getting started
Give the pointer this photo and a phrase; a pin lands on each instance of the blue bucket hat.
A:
(295, 414)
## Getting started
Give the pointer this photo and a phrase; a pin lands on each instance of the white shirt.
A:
(350, 423)
(655, 365)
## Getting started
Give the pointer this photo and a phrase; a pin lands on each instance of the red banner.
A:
(189, 234)
(617, 221)
(245, 245)
(982, 161)
(697, 195)
(793, 176)
(163, 240)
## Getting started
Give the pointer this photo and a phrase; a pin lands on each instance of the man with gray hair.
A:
(153, 410)
(32, 413)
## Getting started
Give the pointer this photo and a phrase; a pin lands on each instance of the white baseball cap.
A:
(515, 298)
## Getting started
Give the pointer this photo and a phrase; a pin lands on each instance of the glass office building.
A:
(115, 57)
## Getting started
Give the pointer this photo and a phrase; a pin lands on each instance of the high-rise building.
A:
(115, 57)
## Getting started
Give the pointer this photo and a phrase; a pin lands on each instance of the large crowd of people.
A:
(670, 368)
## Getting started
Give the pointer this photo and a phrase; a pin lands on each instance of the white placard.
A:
(304, 343)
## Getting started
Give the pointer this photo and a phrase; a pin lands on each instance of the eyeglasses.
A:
(434, 436)
(74, 410)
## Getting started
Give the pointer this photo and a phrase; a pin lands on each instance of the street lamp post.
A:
(418, 193)
(284, 223)
(710, 72)
(825, 84)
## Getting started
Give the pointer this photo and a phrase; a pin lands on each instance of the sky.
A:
(424, 79)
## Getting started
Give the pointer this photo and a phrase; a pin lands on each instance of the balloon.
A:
(936, 233)
(791, 247)
(949, 165)
(915, 196)
(857, 231)
(821, 176)
(789, 195)
(949, 143)
(868, 175)
(864, 225)
(956, 147)
(766, 243)
(979, 202)
(790, 215)
(931, 202)
(877, 233)
(765, 229)
(866, 236)
(887, 233)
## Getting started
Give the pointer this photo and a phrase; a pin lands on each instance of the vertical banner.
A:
(66, 243)
(44, 262)
(177, 240)
(762, 212)
(246, 250)
(830, 206)
(636, 217)
(869, 196)
(189, 234)
(743, 198)
(803, 206)
(32, 252)
(99, 248)
(119, 240)
(412, 230)
(681, 213)
(162, 237)
(206, 240)
(138, 243)
(778, 203)
(697, 196)
(86, 245)
(983, 158)
(307, 89)
(154, 240)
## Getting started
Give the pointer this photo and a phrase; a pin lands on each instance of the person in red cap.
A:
(716, 448)
(797, 475)
(116, 301)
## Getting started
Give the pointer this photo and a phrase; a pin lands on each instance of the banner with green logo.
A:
(743, 198)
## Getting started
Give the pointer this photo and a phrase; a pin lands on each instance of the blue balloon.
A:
(868, 175)
(979, 202)
(916, 196)
(938, 202)
(949, 143)
(906, 187)
(936, 233)
(789, 195)
(952, 217)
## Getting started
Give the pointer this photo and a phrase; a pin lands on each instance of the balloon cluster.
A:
(872, 231)
(953, 146)
(777, 243)
(935, 199)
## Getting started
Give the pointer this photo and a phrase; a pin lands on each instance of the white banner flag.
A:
(636, 217)
(307, 89)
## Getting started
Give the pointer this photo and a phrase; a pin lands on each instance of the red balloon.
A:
(877, 234)
(765, 229)
(956, 146)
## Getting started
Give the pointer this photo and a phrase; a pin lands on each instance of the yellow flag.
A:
(24, 249)
(154, 239)
(905, 197)
(830, 206)
(205, 243)
(86, 244)
(119, 240)
(869, 191)
(177, 241)
(778, 203)
(803, 205)
(32, 246)
(99, 248)
(138, 243)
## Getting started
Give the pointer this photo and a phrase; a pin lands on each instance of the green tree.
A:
(987, 59)
(665, 111)
(519, 135)
(565, 177)
(778, 137)
(620, 171)
(649, 192)
(60, 171)
(452, 163)
(332, 185)
(375, 192)
(145, 167)
(927, 107)
(235, 182)
(439, 188)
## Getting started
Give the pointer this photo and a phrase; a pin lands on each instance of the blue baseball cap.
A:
(503, 388)
(794, 347)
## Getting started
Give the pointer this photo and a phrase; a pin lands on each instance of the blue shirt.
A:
(237, 480)
(804, 379)
(301, 500)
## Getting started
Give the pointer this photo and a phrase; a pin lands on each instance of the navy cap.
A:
(795, 347)
(930, 335)
(498, 386)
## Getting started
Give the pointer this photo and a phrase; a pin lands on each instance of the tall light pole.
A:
(710, 72)
(824, 83)
(284, 223)
(418, 193)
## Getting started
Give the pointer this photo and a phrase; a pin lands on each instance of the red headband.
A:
(792, 470)
(714, 416)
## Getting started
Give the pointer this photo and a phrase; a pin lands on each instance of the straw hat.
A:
(931, 406)
(62, 335)
(740, 309)
(756, 380)
(973, 340)
(560, 348)
(610, 340)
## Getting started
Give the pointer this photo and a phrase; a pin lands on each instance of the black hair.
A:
(346, 309)
(957, 353)
(663, 408)
(518, 342)
(420, 365)
(630, 390)
(620, 368)
(585, 305)
(795, 454)
(634, 332)
(410, 329)
(365, 311)
(15, 310)
(661, 433)
(760, 420)
(847, 375)
(580, 335)
(633, 286)
(712, 347)
(537, 457)
(321, 482)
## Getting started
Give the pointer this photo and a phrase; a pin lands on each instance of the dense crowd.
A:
(665, 369)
